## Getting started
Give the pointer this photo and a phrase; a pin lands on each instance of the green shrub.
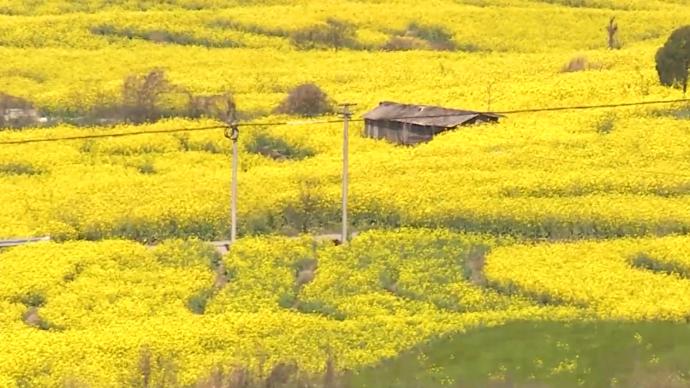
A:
(335, 34)
(645, 261)
(404, 43)
(606, 124)
(438, 36)
(319, 307)
(681, 112)
(150, 97)
(19, 169)
(187, 144)
(306, 100)
(308, 213)
(197, 302)
(287, 300)
(570, 3)
(673, 59)
(147, 168)
(161, 36)
(388, 279)
(468, 47)
(31, 299)
(217, 106)
(72, 274)
(228, 24)
(265, 144)
(576, 64)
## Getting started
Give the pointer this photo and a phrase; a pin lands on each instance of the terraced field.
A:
(554, 222)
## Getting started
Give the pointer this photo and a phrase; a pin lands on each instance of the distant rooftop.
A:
(424, 115)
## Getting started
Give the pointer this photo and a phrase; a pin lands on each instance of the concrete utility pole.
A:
(346, 121)
(232, 132)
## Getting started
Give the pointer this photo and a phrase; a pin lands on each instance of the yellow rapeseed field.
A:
(536, 177)
(101, 303)
(451, 232)
(559, 174)
(604, 277)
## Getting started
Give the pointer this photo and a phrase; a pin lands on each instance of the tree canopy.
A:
(673, 59)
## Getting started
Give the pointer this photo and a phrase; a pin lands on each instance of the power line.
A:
(123, 134)
(335, 121)
(516, 111)
(159, 131)
(115, 134)
(603, 106)
(546, 109)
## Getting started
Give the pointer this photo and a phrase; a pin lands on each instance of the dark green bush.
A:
(147, 168)
(287, 300)
(161, 36)
(438, 36)
(404, 43)
(197, 302)
(228, 24)
(388, 279)
(319, 307)
(186, 144)
(673, 59)
(142, 96)
(645, 261)
(265, 144)
(308, 213)
(306, 100)
(151, 96)
(31, 299)
(606, 124)
(19, 169)
(335, 34)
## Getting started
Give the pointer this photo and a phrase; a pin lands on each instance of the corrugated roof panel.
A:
(423, 114)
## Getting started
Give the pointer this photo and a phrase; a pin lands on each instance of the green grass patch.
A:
(594, 354)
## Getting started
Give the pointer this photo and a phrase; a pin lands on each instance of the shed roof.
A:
(425, 115)
(11, 102)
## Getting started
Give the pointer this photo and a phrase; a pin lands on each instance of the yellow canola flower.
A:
(502, 179)
(102, 305)
(603, 277)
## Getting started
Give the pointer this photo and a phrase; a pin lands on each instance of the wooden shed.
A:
(16, 111)
(412, 124)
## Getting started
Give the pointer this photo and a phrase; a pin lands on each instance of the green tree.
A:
(673, 59)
